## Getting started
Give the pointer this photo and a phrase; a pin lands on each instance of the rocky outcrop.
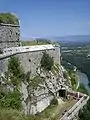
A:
(36, 97)
(38, 91)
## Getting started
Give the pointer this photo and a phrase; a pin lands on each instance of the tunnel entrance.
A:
(62, 93)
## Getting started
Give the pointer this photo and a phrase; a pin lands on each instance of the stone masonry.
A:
(30, 60)
(9, 35)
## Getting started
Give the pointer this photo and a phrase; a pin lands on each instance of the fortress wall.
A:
(30, 61)
(9, 35)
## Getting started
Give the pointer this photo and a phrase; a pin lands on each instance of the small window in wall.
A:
(16, 33)
(29, 60)
(11, 31)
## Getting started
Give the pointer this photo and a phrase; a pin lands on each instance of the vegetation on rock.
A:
(65, 75)
(84, 114)
(34, 83)
(72, 78)
(54, 101)
(82, 89)
(8, 18)
(55, 69)
(38, 41)
(15, 70)
(47, 61)
(52, 112)
(11, 98)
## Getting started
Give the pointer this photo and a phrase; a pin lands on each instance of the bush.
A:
(47, 61)
(82, 89)
(15, 70)
(10, 100)
(54, 101)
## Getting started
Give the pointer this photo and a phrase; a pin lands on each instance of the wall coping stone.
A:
(11, 25)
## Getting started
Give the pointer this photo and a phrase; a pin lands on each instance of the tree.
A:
(15, 70)
(47, 61)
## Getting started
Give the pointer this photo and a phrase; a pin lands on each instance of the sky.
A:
(50, 18)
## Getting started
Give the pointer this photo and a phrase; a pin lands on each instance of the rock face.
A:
(9, 35)
(37, 98)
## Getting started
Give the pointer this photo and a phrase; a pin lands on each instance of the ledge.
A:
(11, 25)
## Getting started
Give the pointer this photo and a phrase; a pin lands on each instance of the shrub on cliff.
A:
(47, 61)
(13, 77)
(14, 66)
(15, 70)
(54, 101)
(10, 100)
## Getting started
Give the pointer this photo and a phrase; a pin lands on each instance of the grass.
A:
(38, 41)
(34, 42)
(61, 108)
(8, 18)
(53, 112)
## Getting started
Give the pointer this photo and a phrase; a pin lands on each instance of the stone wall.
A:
(9, 35)
(30, 61)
